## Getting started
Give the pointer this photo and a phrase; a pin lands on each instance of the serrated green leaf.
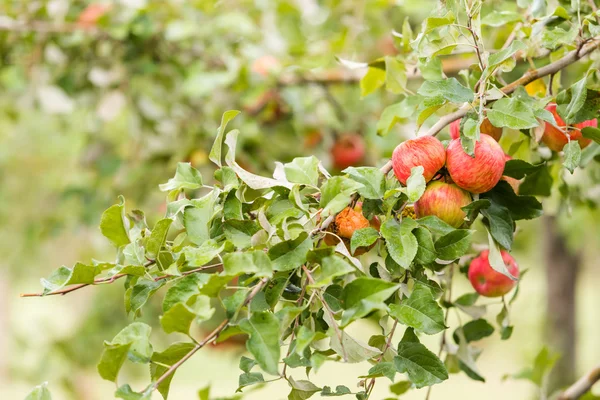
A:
(199, 256)
(371, 178)
(331, 267)
(504, 54)
(304, 170)
(196, 219)
(512, 113)
(435, 225)
(415, 184)
(572, 154)
(422, 366)
(495, 258)
(420, 311)
(157, 237)
(450, 89)
(252, 262)
(215, 154)
(249, 379)
(363, 295)
(401, 243)
(179, 317)
(474, 330)
(501, 224)
(454, 244)
(112, 225)
(336, 194)
(167, 357)
(133, 342)
(340, 390)
(363, 238)
(591, 133)
(500, 18)
(263, 344)
(39, 392)
(518, 169)
(63, 276)
(290, 254)
(372, 80)
(426, 253)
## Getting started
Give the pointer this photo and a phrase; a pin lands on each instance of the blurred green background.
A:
(101, 99)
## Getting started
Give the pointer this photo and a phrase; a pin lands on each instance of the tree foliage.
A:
(254, 248)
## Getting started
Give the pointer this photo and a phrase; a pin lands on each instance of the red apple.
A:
(488, 282)
(556, 139)
(476, 174)
(513, 182)
(486, 127)
(444, 200)
(425, 151)
(348, 150)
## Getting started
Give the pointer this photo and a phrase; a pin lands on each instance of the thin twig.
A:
(582, 386)
(529, 77)
(388, 344)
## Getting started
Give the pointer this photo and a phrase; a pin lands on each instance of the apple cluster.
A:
(452, 178)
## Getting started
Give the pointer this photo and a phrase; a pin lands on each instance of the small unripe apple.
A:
(444, 200)
(486, 127)
(513, 182)
(476, 174)
(348, 150)
(425, 151)
(556, 139)
(488, 282)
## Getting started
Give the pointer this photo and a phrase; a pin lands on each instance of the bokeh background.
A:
(100, 99)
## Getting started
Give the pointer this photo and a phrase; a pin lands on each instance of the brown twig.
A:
(529, 77)
(208, 339)
(388, 344)
(582, 386)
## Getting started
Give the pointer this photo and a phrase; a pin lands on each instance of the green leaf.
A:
(372, 80)
(473, 208)
(542, 365)
(263, 344)
(168, 357)
(435, 225)
(500, 223)
(495, 258)
(340, 390)
(415, 184)
(512, 113)
(520, 207)
(40, 392)
(591, 133)
(332, 267)
(196, 219)
(215, 154)
(186, 177)
(302, 389)
(400, 241)
(502, 55)
(304, 338)
(578, 95)
(435, 22)
(363, 295)
(371, 178)
(63, 276)
(397, 113)
(290, 254)
(454, 244)
(538, 183)
(355, 350)
(183, 290)
(450, 89)
(248, 379)
(304, 170)
(422, 366)
(158, 237)
(336, 194)
(400, 387)
(199, 256)
(500, 18)
(431, 68)
(426, 253)
(246, 364)
(180, 316)
(553, 38)
(420, 311)
(572, 155)
(132, 342)
(141, 292)
(474, 330)
(125, 392)
(395, 75)
(386, 369)
(252, 262)
(518, 169)
(112, 225)
(363, 238)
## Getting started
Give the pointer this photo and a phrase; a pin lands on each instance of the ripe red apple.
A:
(426, 151)
(488, 282)
(348, 150)
(476, 174)
(556, 139)
(486, 127)
(513, 182)
(444, 200)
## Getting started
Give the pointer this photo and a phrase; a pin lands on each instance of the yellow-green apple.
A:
(348, 150)
(444, 200)
(488, 282)
(513, 182)
(425, 151)
(556, 139)
(476, 174)
(486, 127)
